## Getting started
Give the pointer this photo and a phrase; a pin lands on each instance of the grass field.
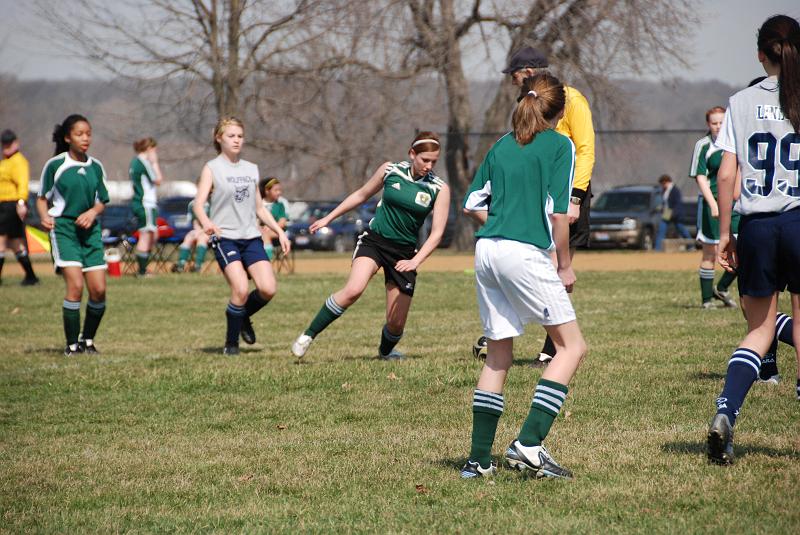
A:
(162, 433)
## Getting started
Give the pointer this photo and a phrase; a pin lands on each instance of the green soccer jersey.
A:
(278, 211)
(405, 203)
(143, 178)
(708, 164)
(73, 187)
(521, 186)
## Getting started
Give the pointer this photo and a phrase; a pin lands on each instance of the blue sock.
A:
(235, 314)
(769, 364)
(783, 329)
(743, 370)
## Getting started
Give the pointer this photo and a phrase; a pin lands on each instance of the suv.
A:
(626, 216)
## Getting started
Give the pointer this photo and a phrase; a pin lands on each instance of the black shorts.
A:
(579, 230)
(768, 248)
(10, 223)
(386, 254)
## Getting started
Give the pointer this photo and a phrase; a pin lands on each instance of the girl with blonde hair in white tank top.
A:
(231, 185)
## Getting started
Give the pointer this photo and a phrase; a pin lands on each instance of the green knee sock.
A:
(142, 259)
(706, 284)
(547, 400)
(487, 407)
(72, 321)
(329, 312)
(725, 281)
(183, 256)
(94, 313)
(200, 257)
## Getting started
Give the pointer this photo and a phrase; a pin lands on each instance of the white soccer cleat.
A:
(300, 346)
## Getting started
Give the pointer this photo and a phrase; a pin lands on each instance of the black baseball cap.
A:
(526, 57)
(7, 137)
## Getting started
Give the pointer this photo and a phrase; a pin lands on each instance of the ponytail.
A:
(62, 130)
(540, 101)
(779, 41)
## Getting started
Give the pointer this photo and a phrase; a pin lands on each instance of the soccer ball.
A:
(479, 348)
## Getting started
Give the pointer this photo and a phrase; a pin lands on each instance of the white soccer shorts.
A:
(517, 284)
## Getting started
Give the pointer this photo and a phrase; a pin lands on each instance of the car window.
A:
(623, 201)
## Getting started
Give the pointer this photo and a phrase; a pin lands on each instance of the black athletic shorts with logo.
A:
(10, 223)
(386, 254)
(579, 230)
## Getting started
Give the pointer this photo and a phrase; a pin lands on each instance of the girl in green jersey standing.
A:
(520, 195)
(73, 188)
(410, 192)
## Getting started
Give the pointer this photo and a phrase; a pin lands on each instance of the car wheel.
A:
(646, 240)
(340, 244)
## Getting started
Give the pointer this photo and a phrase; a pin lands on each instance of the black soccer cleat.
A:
(720, 440)
(537, 460)
(231, 350)
(29, 281)
(472, 470)
(247, 332)
(88, 348)
(480, 348)
(69, 352)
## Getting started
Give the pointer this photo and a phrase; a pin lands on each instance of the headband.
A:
(421, 141)
(534, 93)
(271, 182)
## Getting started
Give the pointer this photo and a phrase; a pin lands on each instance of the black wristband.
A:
(579, 193)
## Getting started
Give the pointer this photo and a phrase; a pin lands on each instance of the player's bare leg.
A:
(362, 270)
(397, 306)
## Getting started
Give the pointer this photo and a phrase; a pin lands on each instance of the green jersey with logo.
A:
(405, 204)
(520, 186)
(72, 186)
(143, 178)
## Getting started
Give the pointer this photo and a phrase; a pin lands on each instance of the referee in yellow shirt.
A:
(14, 174)
(576, 124)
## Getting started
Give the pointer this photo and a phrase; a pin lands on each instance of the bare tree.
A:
(216, 45)
(590, 41)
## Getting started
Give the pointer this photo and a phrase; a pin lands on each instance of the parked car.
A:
(116, 221)
(626, 216)
(339, 236)
(175, 210)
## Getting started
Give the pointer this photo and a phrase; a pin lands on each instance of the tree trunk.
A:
(458, 125)
(233, 83)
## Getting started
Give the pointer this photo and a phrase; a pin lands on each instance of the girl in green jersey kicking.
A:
(410, 191)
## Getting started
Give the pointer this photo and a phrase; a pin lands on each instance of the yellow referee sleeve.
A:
(577, 125)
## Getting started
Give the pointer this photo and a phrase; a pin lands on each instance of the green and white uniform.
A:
(520, 186)
(405, 204)
(74, 187)
(706, 160)
(278, 210)
(144, 202)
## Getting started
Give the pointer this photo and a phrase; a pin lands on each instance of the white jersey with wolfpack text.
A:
(767, 148)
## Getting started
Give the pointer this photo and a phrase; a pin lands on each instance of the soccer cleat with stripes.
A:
(472, 470)
(247, 332)
(536, 459)
(709, 305)
(542, 360)
(725, 297)
(720, 440)
(300, 346)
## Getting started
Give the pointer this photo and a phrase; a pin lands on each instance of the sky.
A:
(722, 47)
